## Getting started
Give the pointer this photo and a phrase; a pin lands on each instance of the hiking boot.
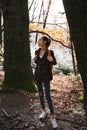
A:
(54, 123)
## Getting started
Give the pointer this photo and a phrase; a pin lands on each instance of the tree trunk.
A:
(73, 59)
(0, 30)
(17, 64)
(39, 20)
(76, 12)
(49, 4)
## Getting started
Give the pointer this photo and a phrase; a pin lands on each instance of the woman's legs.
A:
(48, 97)
(41, 94)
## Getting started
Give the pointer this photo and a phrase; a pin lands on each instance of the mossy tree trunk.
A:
(76, 12)
(17, 63)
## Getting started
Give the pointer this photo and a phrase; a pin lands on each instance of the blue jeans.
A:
(47, 93)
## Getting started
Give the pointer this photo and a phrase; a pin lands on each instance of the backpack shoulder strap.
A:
(49, 52)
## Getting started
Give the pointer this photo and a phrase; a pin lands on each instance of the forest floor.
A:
(20, 109)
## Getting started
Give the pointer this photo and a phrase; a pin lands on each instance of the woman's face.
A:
(41, 42)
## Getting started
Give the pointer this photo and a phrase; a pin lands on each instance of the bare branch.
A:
(50, 38)
(31, 5)
(73, 122)
(34, 9)
(37, 17)
(57, 24)
(5, 113)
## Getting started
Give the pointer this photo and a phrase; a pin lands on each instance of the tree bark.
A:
(76, 12)
(0, 30)
(17, 63)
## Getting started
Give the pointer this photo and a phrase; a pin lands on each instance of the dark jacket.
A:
(43, 71)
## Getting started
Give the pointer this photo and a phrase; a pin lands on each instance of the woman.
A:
(43, 76)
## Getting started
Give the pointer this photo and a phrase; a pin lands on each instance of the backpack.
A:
(49, 54)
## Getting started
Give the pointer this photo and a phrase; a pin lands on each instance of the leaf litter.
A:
(69, 111)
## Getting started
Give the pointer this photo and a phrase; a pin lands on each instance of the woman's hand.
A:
(35, 58)
(49, 58)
